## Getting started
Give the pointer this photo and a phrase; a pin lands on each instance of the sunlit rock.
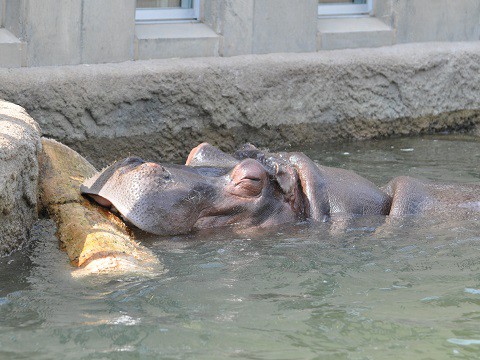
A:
(93, 237)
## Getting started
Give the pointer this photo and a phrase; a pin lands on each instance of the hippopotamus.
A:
(256, 188)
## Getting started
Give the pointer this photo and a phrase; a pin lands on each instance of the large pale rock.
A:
(92, 236)
(160, 109)
(19, 147)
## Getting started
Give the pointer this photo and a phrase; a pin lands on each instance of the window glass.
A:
(344, 7)
(342, 1)
(154, 11)
(150, 4)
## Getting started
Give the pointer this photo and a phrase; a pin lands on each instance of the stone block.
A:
(19, 148)
(108, 30)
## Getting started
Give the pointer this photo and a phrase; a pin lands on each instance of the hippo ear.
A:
(312, 186)
(208, 155)
(249, 151)
(287, 179)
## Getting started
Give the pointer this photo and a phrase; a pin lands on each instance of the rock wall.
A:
(162, 108)
(19, 148)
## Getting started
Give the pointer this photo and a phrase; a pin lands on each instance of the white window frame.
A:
(156, 15)
(333, 9)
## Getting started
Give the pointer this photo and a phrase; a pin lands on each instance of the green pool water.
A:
(364, 289)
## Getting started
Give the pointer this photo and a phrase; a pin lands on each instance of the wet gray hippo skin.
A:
(253, 188)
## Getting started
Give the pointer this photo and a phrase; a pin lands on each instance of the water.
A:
(365, 289)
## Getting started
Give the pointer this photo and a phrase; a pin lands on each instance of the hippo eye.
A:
(249, 186)
(252, 178)
(248, 179)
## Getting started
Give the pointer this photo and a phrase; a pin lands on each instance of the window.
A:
(152, 11)
(344, 7)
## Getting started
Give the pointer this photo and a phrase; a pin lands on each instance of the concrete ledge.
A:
(351, 33)
(160, 41)
(19, 148)
(160, 109)
(12, 50)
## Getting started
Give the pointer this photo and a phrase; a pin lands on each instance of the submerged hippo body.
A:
(255, 188)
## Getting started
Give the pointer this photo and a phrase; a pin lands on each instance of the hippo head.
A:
(213, 189)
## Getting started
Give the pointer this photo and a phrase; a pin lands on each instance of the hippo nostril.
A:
(158, 169)
(132, 160)
(166, 175)
(154, 165)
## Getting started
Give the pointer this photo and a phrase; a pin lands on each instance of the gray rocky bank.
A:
(162, 108)
(19, 149)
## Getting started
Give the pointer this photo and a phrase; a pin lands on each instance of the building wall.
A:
(67, 32)
(2, 12)
(288, 29)
(251, 27)
(438, 20)
(72, 31)
(14, 14)
(383, 10)
(107, 38)
(53, 40)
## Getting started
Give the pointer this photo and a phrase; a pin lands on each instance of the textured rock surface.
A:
(162, 108)
(19, 147)
(91, 236)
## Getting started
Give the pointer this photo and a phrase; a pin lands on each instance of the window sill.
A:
(170, 40)
(352, 32)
